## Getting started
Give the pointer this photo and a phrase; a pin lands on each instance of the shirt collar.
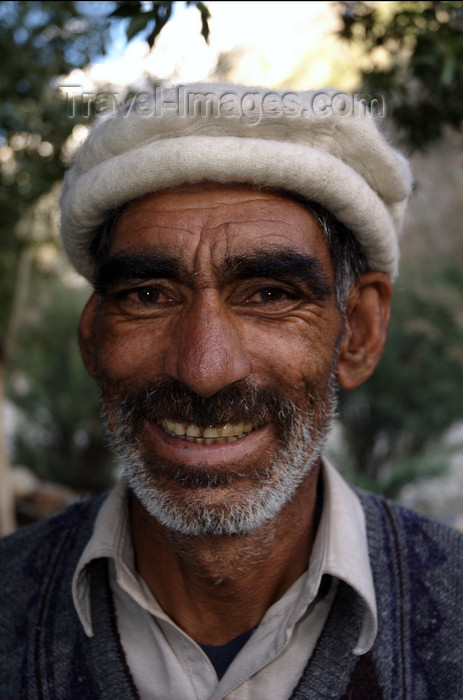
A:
(110, 538)
(341, 530)
(341, 548)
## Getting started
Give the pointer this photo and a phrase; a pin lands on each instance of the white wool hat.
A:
(321, 144)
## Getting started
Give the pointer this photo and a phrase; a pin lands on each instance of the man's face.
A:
(215, 347)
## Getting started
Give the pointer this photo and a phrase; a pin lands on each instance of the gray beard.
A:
(272, 485)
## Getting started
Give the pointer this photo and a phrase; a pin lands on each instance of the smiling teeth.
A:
(208, 436)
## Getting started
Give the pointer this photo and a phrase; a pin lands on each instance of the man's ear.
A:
(367, 320)
(87, 335)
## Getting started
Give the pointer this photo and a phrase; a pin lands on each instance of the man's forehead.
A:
(185, 196)
(212, 201)
(223, 218)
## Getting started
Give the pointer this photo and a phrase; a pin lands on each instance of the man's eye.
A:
(145, 295)
(271, 295)
(142, 299)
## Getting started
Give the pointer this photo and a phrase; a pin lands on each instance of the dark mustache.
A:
(239, 402)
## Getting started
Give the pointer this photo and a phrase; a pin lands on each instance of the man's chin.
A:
(230, 501)
(219, 511)
(184, 477)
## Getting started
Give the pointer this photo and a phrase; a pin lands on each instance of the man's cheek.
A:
(128, 358)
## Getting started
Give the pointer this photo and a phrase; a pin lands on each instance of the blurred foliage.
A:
(413, 56)
(61, 434)
(415, 393)
(38, 41)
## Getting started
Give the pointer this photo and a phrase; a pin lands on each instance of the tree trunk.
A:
(7, 509)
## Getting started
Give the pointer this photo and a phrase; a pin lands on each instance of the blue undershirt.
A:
(222, 655)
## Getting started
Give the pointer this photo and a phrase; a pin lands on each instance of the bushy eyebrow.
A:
(280, 264)
(135, 267)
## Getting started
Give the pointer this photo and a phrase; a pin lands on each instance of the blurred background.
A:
(63, 63)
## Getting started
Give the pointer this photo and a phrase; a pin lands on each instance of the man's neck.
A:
(215, 588)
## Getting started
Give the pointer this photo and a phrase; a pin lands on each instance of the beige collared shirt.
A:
(166, 663)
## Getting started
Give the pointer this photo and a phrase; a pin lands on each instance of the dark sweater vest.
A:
(418, 653)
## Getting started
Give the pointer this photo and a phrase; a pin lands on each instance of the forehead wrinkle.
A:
(243, 221)
(154, 229)
(186, 197)
(235, 214)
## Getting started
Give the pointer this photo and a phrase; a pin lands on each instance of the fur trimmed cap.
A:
(321, 144)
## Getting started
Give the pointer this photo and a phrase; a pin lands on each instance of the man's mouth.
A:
(229, 432)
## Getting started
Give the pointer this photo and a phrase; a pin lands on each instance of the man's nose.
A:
(205, 352)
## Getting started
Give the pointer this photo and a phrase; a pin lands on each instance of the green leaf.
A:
(205, 15)
(161, 14)
(137, 25)
(127, 9)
